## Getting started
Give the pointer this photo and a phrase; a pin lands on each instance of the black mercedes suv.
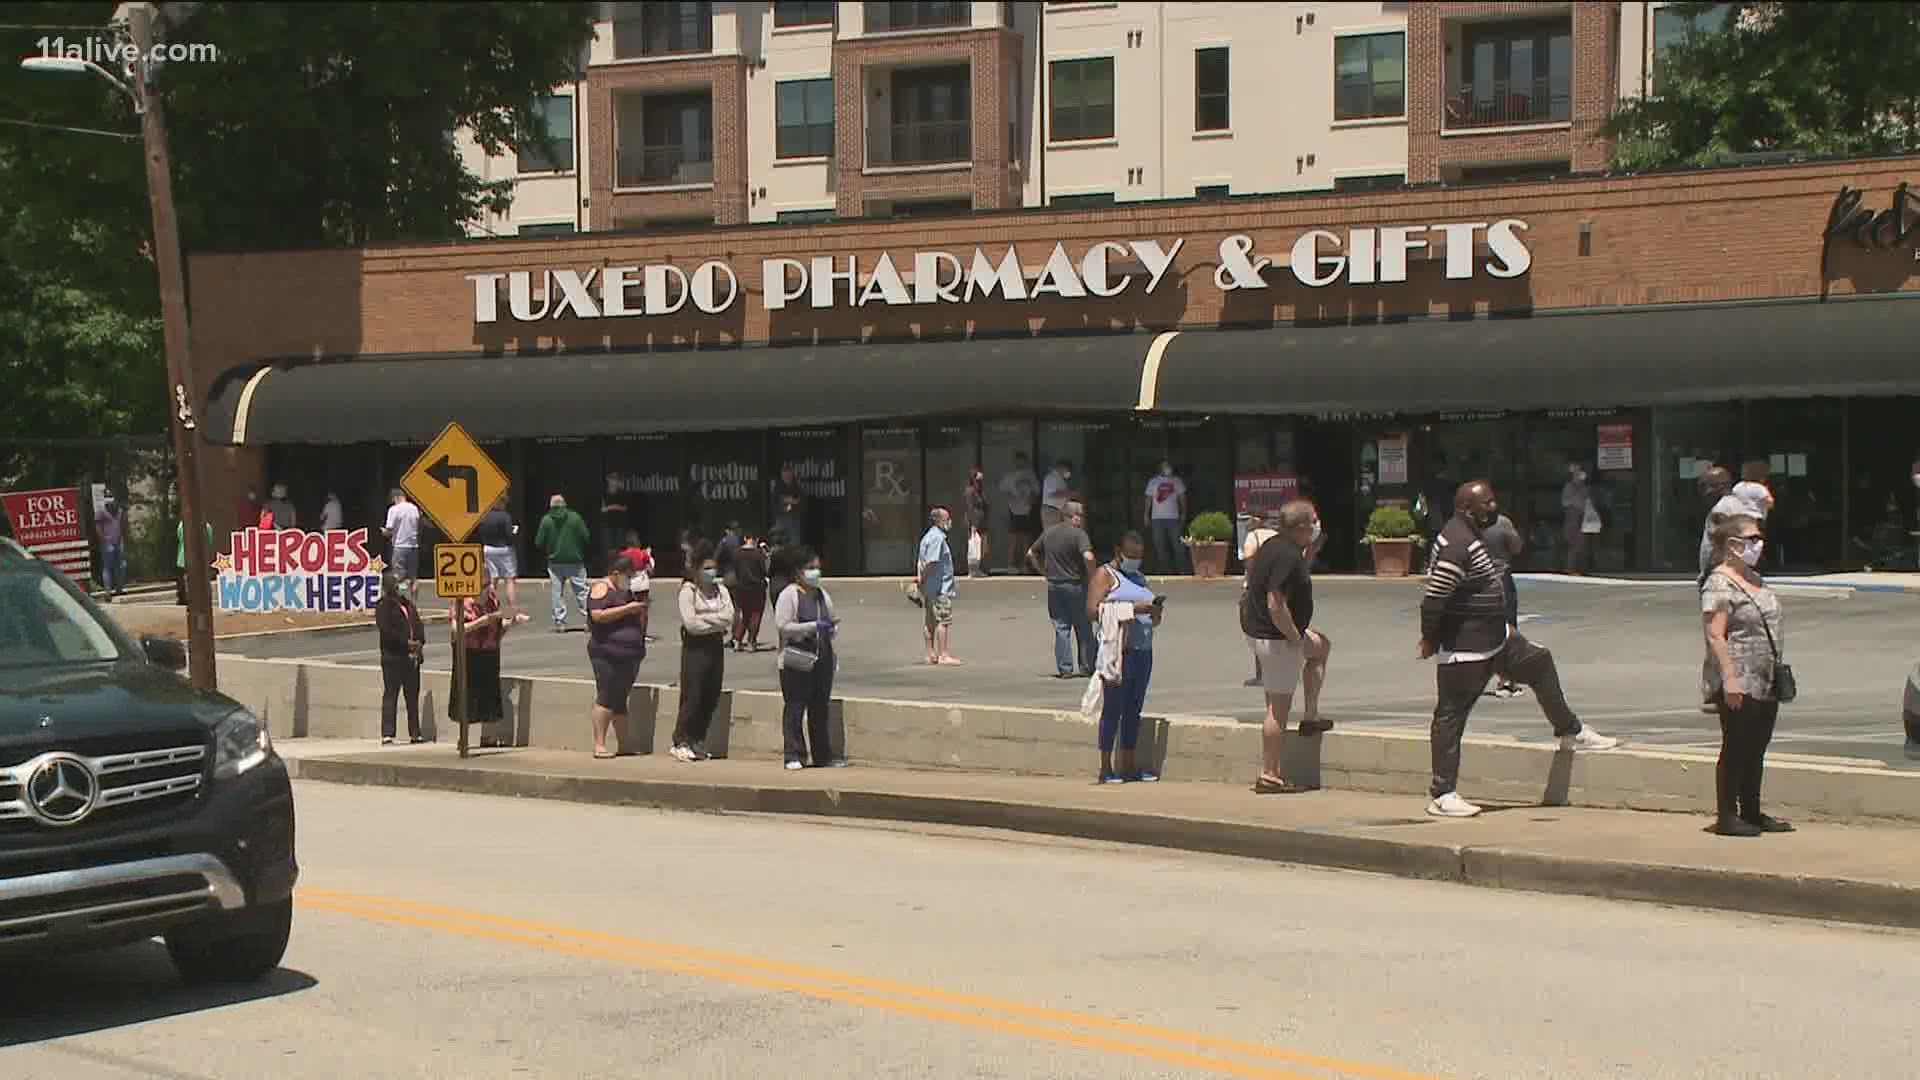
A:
(131, 805)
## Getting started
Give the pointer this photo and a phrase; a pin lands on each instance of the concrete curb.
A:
(1839, 899)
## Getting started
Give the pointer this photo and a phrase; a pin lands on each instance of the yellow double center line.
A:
(1186, 1049)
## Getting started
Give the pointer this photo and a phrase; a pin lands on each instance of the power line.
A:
(64, 127)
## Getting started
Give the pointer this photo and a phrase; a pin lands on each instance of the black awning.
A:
(529, 396)
(1645, 356)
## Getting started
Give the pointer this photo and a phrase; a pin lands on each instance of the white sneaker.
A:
(794, 766)
(1452, 805)
(1588, 739)
(681, 753)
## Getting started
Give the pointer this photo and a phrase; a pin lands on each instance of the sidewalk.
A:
(1848, 873)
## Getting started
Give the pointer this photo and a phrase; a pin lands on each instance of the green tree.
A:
(1826, 79)
(318, 125)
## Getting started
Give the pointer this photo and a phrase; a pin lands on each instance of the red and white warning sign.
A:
(49, 524)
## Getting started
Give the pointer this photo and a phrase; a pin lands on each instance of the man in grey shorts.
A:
(1275, 614)
(496, 533)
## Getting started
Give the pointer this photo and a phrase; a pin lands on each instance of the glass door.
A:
(1802, 443)
(892, 504)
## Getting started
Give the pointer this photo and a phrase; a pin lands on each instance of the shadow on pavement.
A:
(91, 992)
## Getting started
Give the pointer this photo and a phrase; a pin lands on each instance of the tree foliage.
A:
(318, 125)
(1827, 79)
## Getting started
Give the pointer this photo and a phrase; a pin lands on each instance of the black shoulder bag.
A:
(1785, 689)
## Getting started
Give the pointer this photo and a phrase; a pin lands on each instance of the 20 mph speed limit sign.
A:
(456, 571)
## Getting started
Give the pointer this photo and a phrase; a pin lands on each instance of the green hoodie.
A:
(563, 536)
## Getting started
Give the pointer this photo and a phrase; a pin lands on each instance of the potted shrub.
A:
(1391, 536)
(1207, 542)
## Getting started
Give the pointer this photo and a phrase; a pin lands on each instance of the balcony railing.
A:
(664, 166)
(911, 15)
(1506, 102)
(923, 143)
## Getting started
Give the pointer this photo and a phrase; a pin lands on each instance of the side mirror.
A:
(165, 652)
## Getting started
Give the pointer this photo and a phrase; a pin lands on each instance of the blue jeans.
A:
(113, 567)
(1121, 707)
(1169, 554)
(573, 574)
(1067, 607)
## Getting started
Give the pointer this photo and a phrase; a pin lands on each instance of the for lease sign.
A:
(48, 523)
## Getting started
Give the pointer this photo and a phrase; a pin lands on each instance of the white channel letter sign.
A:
(1319, 258)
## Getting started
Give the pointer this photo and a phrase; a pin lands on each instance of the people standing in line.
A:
(246, 509)
(332, 516)
(706, 619)
(1276, 615)
(486, 626)
(562, 536)
(180, 560)
(935, 575)
(749, 594)
(1504, 545)
(1755, 487)
(806, 626)
(616, 643)
(403, 538)
(1580, 518)
(1745, 635)
(640, 584)
(1055, 492)
(1716, 487)
(724, 554)
(790, 505)
(1166, 515)
(403, 643)
(1257, 535)
(495, 534)
(1463, 622)
(1021, 489)
(1127, 613)
(1064, 555)
(978, 520)
(284, 515)
(110, 525)
(615, 517)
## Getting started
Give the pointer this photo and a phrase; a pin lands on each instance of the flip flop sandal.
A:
(1264, 786)
(603, 756)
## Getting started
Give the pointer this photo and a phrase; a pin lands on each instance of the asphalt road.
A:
(1629, 657)
(461, 936)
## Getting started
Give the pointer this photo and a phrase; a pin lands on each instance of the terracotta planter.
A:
(1392, 558)
(1209, 558)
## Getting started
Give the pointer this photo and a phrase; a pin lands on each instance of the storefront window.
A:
(1687, 441)
(1802, 443)
(649, 479)
(822, 467)
(953, 448)
(1104, 477)
(891, 507)
(1001, 440)
(1554, 442)
(1202, 454)
(1883, 504)
(568, 467)
(724, 482)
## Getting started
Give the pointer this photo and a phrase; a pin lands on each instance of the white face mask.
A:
(1751, 553)
(1316, 535)
(1166, 470)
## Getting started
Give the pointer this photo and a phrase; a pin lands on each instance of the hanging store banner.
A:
(1263, 492)
(1393, 459)
(295, 570)
(48, 523)
(1101, 270)
(1616, 448)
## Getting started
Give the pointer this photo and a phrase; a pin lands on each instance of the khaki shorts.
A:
(1280, 662)
(939, 610)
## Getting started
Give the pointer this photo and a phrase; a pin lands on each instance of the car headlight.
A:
(240, 741)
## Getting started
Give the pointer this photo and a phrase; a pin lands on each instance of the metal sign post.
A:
(460, 671)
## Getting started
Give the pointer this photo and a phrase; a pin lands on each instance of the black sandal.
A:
(1264, 786)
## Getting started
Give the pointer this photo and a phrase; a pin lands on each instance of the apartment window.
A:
(554, 116)
(802, 217)
(662, 28)
(916, 14)
(1516, 73)
(1210, 89)
(1081, 202)
(1675, 24)
(1370, 76)
(1082, 99)
(932, 118)
(663, 139)
(803, 119)
(1212, 191)
(555, 228)
(803, 12)
(932, 208)
(1377, 182)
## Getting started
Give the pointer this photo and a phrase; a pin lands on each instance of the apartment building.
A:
(692, 113)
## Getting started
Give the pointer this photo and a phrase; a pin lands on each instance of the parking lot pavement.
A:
(1629, 655)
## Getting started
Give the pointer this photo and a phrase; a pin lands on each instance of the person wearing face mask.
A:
(936, 587)
(616, 643)
(1055, 492)
(1126, 613)
(1741, 674)
(706, 618)
(1276, 614)
(1581, 518)
(1463, 622)
(1257, 536)
(806, 626)
(978, 516)
(1166, 514)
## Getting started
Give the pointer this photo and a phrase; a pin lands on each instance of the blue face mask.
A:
(1131, 566)
(811, 576)
(708, 576)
